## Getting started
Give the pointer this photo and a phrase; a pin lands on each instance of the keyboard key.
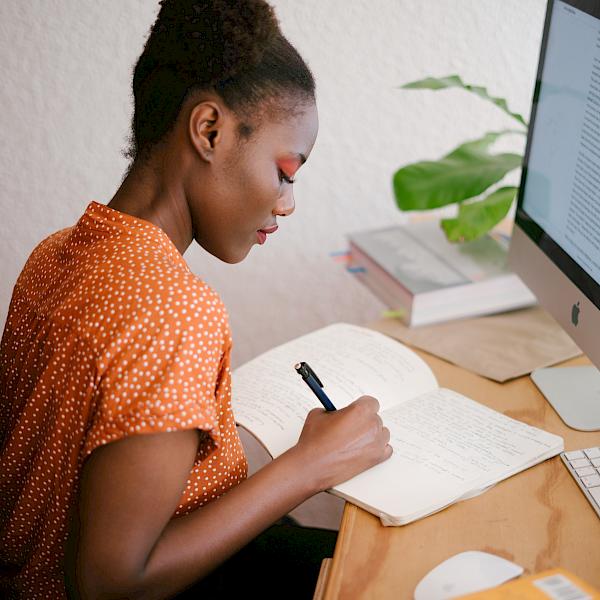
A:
(574, 454)
(586, 471)
(586, 475)
(591, 481)
(592, 452)
(580, 462)
(595, 494)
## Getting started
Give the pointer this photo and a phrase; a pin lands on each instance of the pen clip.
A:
(305, 371)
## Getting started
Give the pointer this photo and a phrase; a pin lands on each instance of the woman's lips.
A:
(262, 233)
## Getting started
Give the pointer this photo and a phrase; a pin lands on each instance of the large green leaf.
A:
(464, 173)
(476, 218)
(440, 83)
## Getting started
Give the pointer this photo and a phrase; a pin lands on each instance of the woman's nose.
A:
(285, 205)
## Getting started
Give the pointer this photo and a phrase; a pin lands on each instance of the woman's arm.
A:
(127, 543)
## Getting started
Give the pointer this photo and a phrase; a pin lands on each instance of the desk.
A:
(538, 518)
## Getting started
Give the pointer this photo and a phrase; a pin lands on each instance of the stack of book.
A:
(415, 270)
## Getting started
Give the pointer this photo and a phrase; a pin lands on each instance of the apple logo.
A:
(575, 314)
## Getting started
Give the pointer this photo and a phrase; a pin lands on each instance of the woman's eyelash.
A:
(283, 177)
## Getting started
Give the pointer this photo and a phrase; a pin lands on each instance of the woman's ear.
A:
(205, 128)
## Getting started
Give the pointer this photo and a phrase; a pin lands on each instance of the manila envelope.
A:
(500, 347)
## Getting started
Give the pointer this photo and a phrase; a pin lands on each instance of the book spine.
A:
(381, 283)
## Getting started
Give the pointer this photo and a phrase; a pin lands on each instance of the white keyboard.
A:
(584, 466)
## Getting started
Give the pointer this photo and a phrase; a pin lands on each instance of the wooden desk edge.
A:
(322, 579)
(342, 547)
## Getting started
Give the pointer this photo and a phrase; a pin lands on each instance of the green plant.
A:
(463, 175)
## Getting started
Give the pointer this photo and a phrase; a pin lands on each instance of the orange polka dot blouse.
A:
(109, 334)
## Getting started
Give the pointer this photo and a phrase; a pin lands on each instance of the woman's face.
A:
(249, 184)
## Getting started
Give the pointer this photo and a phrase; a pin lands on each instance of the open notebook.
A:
(447, 447)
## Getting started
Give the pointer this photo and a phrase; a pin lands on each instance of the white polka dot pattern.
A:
(109, 334)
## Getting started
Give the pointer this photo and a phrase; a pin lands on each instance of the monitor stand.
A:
(574, 393)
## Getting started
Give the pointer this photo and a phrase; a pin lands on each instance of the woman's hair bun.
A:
(211, 40)
(232, 47)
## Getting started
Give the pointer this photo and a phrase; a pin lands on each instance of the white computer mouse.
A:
(465, 573)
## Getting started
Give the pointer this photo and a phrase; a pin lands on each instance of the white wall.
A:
(65, 108)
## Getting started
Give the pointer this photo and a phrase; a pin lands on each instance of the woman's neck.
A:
(145, 194)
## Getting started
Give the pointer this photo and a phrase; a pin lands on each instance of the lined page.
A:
(446, 446)
(271, 400)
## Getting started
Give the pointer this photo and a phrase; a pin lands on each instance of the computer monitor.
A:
(555, 245)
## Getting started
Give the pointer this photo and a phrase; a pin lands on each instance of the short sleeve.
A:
(160, 374)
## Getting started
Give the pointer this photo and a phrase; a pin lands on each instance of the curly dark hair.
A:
(232, 47)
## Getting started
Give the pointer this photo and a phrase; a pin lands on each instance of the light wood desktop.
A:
(538, 518)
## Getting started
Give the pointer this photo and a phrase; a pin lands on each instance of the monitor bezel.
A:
(588, 286)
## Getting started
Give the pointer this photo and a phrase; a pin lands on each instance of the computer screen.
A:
(555, 246)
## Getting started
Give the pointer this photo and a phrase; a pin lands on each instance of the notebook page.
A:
(446, 446)
(271, 400)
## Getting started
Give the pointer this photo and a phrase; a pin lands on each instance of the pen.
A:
(314, 383)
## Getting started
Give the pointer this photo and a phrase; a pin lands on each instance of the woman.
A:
(121, 471)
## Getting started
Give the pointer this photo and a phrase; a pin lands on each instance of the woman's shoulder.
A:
(162, 280)
(139, 268)
(134, 288)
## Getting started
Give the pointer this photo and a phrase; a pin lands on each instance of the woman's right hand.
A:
(337, 445)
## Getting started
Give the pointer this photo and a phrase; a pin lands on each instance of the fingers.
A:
(314, 412)
(387, 448)
(381, 434)
(386, 435)
(368, 403)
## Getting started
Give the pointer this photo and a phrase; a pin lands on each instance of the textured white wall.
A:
(65, 107)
